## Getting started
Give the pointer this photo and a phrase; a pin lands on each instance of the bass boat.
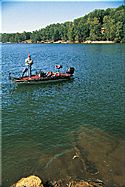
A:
(42, 77)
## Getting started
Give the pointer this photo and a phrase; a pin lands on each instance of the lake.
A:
(45, 126)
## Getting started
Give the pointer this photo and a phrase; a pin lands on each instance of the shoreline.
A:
(63, 42)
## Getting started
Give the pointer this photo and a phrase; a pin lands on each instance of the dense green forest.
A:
(98, 25)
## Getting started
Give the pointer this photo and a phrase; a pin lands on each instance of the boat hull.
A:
(41, 80)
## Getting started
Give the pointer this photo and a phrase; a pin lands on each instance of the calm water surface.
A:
(43, 126)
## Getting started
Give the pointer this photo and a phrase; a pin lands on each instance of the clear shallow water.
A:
(44, 125)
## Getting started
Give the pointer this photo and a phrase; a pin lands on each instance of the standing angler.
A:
(29, 63)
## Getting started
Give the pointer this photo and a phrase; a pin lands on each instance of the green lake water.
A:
(44, 126)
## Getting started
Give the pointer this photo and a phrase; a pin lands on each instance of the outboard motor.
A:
(70, 70)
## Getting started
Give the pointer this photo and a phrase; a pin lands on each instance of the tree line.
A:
(98, 25)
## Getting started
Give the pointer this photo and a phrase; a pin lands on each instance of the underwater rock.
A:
(34, 181)
(79, 184)
(85, 184)
(31, 181)
(57, 183)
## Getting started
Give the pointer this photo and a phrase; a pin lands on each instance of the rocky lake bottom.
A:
(93, 157)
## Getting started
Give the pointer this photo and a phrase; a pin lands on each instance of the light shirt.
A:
(29, 61)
